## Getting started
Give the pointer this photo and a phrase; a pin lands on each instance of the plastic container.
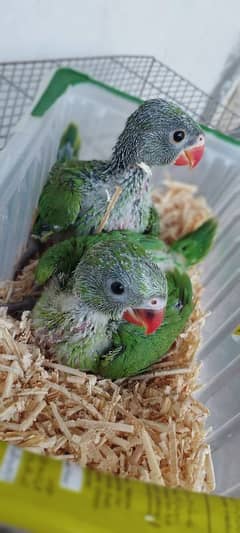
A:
(101, 112)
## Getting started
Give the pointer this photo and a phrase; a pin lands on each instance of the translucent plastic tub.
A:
(101, 113)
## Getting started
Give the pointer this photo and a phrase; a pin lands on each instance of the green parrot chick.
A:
(113, 281)
(131, 350)
(77, 193)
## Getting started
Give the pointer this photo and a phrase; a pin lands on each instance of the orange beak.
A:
(190, 157)
(147, 318)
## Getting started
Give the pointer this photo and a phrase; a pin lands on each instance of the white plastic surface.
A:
(24, 167)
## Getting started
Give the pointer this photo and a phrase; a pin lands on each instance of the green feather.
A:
(64, 256)
(52, 205)
(153, 226)
(59, 209)
(195, 245)
(70, 143)
(136, 351)
(61, 198)
(59, 259)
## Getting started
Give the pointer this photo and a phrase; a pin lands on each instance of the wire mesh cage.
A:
(141, 76)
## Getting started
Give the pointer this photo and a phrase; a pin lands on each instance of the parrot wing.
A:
(133, 351)
(195, 245)
(60, 200)
(61, 258)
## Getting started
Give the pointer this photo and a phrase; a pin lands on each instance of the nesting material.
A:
(24, 285)
(181, 211)
(148, 427)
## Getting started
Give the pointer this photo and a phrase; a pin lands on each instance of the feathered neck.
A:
(125, 151)
(84, 318)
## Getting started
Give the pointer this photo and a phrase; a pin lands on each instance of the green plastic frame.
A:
(64, 77)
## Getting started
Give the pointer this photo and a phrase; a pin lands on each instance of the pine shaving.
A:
(149, 427)
(180, 210)
(153, 461)
(173, 454)
(60, 421)
(24, 285)
(110, 207)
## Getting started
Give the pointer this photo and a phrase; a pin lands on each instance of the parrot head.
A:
(117, 279)
(159, 133)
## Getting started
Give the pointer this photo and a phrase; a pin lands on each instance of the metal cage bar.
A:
(141, 76)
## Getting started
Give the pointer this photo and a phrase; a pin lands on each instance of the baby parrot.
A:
(113, 280)
(130, 350)
(78, 193)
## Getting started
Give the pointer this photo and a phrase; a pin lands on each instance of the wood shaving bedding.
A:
(24, 285)
(148, 427)
(180, 210)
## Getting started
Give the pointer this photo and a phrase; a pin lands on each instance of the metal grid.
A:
(141, 76)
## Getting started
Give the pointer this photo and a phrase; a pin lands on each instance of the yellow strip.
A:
(44, 495)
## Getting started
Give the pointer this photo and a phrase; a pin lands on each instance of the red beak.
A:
(190, 157)
(149, 319)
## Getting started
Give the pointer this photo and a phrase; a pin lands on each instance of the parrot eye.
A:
(117, 288)
(178, 136)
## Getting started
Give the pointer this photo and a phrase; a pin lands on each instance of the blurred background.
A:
(197, 39)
